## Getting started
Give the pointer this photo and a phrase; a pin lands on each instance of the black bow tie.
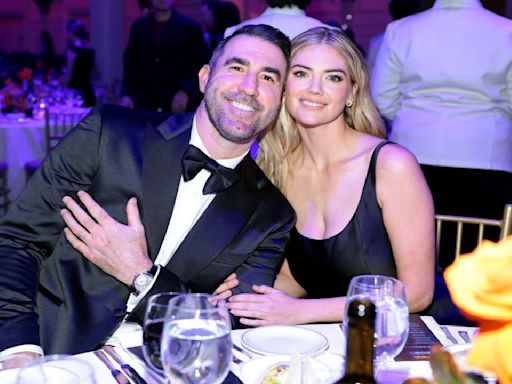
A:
(221, 177)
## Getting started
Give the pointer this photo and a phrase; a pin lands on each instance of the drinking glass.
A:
(392, 321)
(57, 369)
(196, 342)
(152, 330)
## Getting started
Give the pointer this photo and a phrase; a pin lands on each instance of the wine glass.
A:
(196, 342)
(392, 321)
(152, 330)
(57, 369)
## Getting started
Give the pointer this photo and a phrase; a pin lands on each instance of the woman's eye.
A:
(335, 78)
(299, 74)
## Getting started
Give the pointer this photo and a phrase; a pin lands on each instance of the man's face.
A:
(162, 5)
(243, 92)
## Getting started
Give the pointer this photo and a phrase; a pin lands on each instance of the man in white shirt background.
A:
(443, 79)
(289, 16)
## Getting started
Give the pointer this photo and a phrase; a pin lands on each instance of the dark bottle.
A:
(360, 334)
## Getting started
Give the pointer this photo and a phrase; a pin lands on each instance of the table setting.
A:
(198, 346)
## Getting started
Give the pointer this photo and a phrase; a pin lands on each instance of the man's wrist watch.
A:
(143, 280)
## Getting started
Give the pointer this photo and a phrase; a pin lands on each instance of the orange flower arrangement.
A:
(480, 284)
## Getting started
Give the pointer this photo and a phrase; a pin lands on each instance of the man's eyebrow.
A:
(247, 63)
(236, 60)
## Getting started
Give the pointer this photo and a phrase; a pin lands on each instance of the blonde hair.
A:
(277, 146)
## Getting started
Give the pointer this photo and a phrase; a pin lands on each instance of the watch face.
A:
(142, 281)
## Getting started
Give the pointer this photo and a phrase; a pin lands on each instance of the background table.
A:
(21, 140)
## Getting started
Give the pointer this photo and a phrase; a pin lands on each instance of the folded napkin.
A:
(480, 284)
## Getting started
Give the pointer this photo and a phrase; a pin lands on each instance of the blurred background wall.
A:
(109, 21)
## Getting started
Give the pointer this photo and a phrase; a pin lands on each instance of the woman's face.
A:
(318, 86)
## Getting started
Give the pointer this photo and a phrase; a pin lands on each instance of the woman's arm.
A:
(408, 212)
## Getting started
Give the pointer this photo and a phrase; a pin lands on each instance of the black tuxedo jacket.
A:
(52, 296)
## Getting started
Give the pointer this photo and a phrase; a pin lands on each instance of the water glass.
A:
(392, 321)
(57, 369)
(196, 342)
(152, 329)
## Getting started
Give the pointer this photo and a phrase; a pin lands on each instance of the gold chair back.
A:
(461, 222)
(57, 124)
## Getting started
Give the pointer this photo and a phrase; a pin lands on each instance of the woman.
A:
(362, 203)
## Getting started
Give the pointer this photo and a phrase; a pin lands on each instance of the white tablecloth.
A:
(21, 140)
(396, 372)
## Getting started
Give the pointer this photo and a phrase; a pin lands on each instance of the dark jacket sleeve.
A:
(30, 230)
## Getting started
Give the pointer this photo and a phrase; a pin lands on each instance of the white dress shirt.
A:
(443, 78)
(292, 21)
(188, 208)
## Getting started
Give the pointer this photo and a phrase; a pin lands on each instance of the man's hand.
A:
(117, 249)
(126, 101)
(179, 102)
(268, 306)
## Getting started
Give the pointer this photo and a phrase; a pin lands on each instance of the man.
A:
(443, 79)
(68, 297)
(286, 15)
(164, 53)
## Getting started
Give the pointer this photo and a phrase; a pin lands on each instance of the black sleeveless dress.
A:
(325, 267)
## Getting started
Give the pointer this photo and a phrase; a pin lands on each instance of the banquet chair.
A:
(482, 224)
(56, 126)
(4, 190)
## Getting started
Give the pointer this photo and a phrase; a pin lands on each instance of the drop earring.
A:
(348, 103)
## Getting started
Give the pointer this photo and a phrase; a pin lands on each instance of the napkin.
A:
(480, 284)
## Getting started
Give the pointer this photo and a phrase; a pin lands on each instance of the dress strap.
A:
(373, 160)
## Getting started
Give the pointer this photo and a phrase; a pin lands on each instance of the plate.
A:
(314, 371)
(284, 340)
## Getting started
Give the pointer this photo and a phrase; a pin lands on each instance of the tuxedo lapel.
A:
(164, 146)
(221, 222)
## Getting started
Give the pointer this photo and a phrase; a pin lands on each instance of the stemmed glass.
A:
(196, 342)
(392, 321)
(152, 330)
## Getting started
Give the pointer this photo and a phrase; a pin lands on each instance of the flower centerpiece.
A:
(480, 284)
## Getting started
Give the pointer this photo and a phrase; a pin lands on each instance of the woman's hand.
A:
(268, 306)
(223, 291)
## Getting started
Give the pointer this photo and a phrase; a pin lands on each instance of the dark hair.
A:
(302, 4)
(77, 28)
(399, 9)
(264, 32)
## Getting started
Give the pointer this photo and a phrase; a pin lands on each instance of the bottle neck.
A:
(359, 355)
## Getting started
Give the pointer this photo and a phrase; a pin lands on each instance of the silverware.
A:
(119, 376)
(132, 374)
(242, 351)
(448, 334)
(465, 336)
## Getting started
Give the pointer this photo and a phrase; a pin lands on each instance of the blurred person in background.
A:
(217, 15)
(398, 9)
(443, 79)
(80, 61)
(164, 53)
(287, 15)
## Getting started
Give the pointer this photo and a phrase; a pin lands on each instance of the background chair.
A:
(57, 124)
(466, 233)
(4, 191)
(461, 222)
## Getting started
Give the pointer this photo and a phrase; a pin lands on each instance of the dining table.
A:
(248, 365)
(22, 139)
